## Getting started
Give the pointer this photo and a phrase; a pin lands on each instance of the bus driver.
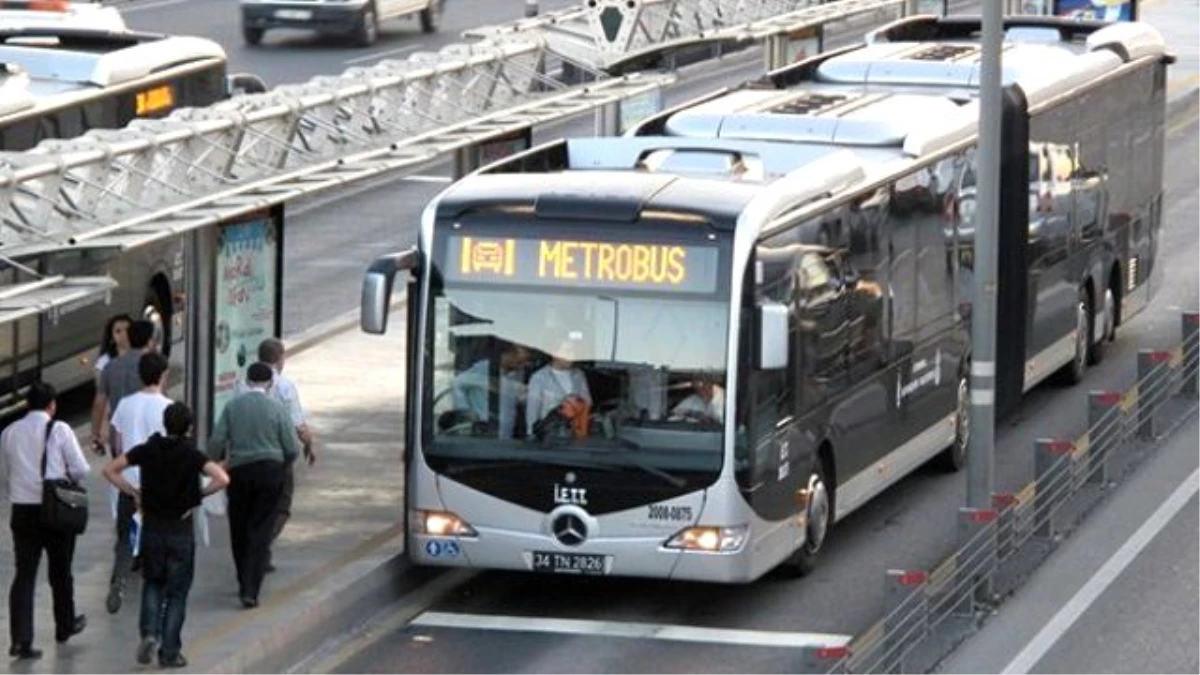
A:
(559, 386)
(707, 403)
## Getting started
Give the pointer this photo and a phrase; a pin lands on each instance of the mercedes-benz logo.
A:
(569, 529)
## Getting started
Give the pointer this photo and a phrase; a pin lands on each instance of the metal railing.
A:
(1069, 477)
(157, 178)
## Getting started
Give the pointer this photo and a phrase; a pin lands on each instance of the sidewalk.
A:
(337, 553)
(338, 556)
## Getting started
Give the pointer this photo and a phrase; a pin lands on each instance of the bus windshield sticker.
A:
(591, 264)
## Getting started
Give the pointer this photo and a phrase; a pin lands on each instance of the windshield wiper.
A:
(629, 450)
(573, 462)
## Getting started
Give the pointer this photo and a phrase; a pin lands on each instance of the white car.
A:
(61, 14)
(356, 19)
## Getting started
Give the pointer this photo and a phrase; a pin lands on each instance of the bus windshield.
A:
(593, 377)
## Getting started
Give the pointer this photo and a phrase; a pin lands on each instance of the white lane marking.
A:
(1112, 568)
(625, 629)
(379, 55)
(149, 5)
(429, 179)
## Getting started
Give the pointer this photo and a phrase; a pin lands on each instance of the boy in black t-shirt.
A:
(170, 467)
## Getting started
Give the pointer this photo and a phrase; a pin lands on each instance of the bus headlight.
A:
(710, 539)
(444, 524)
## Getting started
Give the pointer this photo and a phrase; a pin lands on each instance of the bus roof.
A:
(832, 122)
(59, 14)
(58, 60)
(896, 98)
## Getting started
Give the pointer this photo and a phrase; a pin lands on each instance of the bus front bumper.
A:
(622, 557)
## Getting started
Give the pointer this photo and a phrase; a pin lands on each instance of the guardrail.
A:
(926, 613)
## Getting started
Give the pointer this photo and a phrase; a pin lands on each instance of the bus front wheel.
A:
(819, 511)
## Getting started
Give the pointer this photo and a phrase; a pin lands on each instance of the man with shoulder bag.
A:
(41, 464)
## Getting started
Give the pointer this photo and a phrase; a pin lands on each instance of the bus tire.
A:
(366, 31)
(253, 36)
(954, 458)
(431, 17)
(1109, 328)
(820, 515)
(159, 310)
(1072, 373)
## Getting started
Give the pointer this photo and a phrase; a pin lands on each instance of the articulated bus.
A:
(60, 82)
(686, 352)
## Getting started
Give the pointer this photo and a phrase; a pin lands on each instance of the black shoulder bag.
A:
(64, 502)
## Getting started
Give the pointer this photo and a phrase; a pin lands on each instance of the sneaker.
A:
(113, 602)
(176, 661)
(146, 649)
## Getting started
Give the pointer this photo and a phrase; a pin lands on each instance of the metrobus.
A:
(58, 83)
(756, 305)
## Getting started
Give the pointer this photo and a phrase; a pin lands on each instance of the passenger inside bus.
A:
(560, 388)
(472, 392)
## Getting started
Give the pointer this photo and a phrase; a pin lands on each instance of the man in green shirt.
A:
(255, 438)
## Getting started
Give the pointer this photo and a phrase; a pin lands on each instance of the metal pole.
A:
(981, 450)
(200, 301)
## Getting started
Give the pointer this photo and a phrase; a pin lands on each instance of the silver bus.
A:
(686, 352)
(60, 82)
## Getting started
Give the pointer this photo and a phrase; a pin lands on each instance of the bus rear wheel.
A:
(1073, 372)
(819, 515)
(159, 311)
(954, 458)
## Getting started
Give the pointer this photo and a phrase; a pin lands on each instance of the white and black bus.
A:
(58, 83)
(685, 352)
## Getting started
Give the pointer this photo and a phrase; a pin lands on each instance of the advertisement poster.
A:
(803, 43)
(1103, 10)
(246, 281)
(496, 149)
(637, 108)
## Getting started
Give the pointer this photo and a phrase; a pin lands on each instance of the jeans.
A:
(168, 562)
(29, 540)
(123, 550)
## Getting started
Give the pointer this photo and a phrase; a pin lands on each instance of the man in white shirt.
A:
(554, 383)
(707, 403)
(138, 417)
(22, 447)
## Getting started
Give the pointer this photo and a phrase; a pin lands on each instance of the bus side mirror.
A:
(377, 289)
(772, 336)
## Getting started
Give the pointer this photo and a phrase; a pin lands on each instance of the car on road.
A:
(357, 20)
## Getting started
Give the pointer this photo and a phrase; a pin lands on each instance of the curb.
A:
(1182, 101)
(291, 629)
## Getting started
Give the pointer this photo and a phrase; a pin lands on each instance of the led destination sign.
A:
(591, 264)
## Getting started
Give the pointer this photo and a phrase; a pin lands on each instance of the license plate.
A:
(293, 14)
(569, 563)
